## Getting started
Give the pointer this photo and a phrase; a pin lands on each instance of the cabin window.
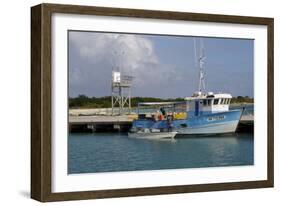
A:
(205, 102)
(224, 101)
(216, 101)
(209, 102)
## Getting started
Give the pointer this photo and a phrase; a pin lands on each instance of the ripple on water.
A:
(97, 152)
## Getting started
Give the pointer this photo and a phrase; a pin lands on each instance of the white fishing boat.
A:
(154, 134)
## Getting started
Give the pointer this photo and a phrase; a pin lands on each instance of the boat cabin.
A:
(205, 103)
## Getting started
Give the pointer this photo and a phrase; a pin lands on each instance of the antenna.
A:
(195, 52)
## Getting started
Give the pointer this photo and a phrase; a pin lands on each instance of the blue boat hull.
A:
(215, 123)
(211, 123)
(215, 128)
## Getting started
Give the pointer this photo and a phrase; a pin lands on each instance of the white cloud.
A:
(92, 56)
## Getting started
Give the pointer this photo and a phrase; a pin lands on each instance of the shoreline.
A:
(241, 104)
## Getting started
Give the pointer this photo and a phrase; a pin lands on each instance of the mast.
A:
(199, 63)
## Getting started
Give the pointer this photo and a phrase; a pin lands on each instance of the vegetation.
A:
(82, 101)
(240, 99)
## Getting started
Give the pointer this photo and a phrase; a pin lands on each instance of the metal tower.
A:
(121, 92)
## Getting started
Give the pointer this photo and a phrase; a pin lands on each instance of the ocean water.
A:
(110, 152)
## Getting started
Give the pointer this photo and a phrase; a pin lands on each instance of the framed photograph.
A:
(130, 102)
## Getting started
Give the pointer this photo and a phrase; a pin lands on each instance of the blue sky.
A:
(162, 66)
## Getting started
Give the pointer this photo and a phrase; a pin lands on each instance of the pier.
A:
(100, 123)
(122, 123)
(246, 124)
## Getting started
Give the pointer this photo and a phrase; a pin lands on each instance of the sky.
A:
(162, 66)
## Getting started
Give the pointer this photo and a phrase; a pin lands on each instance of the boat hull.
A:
(152, 135)
(216, 128)
(216, 123)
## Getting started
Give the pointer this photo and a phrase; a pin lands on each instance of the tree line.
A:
(83, 101)
(242, 99)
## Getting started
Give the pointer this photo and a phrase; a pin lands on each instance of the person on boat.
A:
(162, 110)
(170, 121)
(157, 116)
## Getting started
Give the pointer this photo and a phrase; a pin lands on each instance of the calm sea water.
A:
(109, 152)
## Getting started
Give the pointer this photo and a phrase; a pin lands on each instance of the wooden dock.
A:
(247, 119)
(246, 124)
(124, 122)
